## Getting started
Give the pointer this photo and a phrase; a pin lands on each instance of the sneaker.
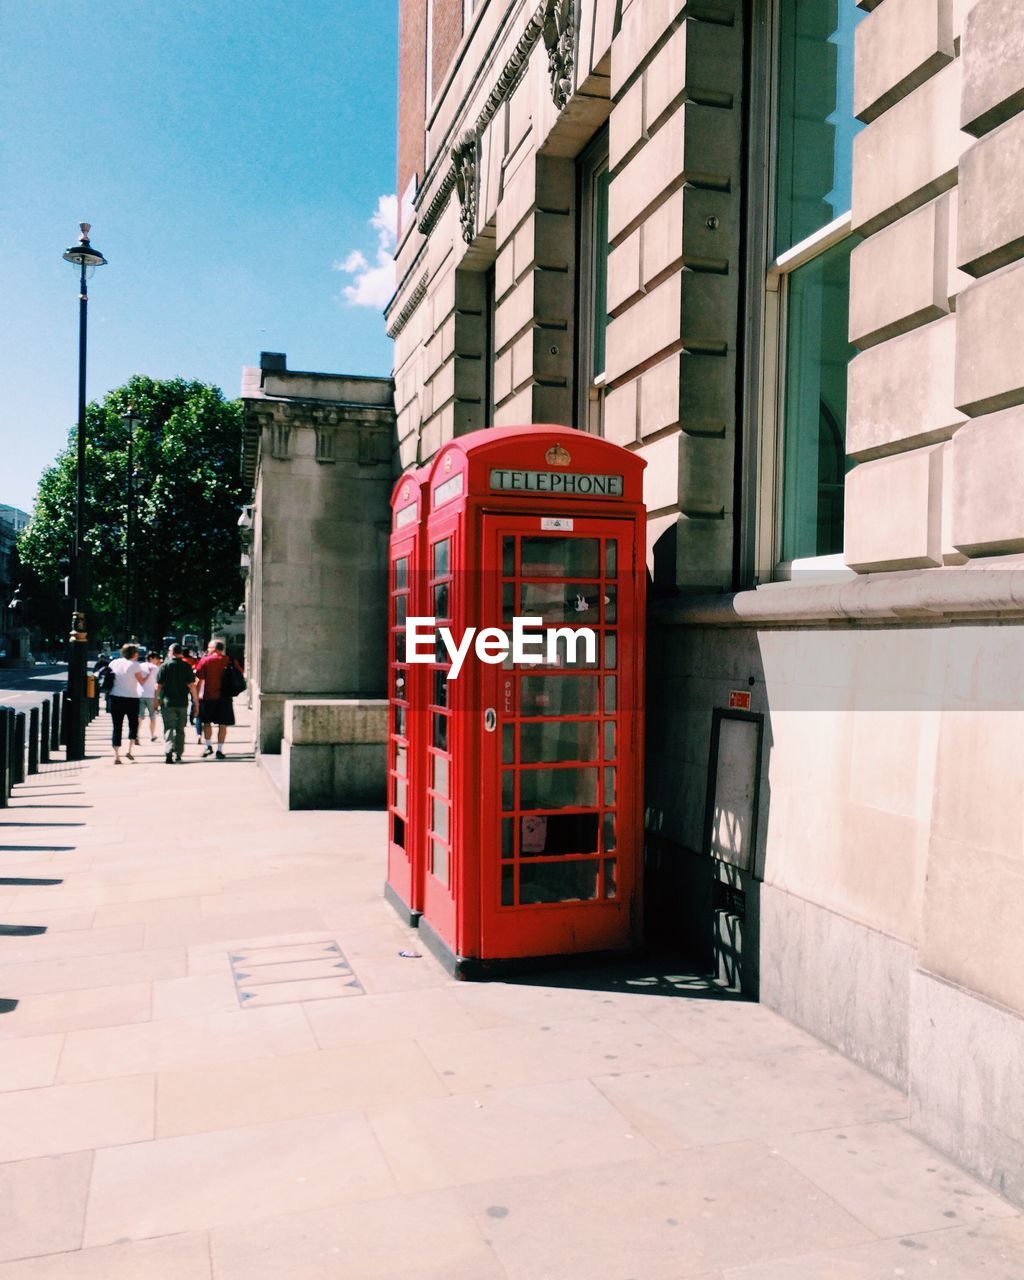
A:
(207, 751)
(221, 756)
(177, 759)
(153, 738)
(169, 758)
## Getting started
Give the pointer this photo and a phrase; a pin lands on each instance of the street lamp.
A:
(84, 256)
(131, 420)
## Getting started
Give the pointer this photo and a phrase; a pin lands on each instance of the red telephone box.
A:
(532, 770)
(406, 716)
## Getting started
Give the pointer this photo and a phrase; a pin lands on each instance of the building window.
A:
(808, 285)
(592, 276)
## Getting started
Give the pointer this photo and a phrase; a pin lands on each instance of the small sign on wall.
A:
(563, 524)
(739, 700)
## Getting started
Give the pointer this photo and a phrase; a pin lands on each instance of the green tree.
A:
(187, 492)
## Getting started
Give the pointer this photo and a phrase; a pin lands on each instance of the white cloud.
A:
(373, 283)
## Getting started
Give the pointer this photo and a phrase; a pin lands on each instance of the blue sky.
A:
(231, 158)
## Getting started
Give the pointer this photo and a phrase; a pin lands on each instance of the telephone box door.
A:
(560, 844)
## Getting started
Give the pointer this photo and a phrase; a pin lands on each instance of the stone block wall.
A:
(937, 285)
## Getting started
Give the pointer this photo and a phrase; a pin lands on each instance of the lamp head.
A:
(83, 254)
(131, 418)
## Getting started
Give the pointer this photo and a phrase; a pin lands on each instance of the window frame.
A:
(590, 382)
(770, 316)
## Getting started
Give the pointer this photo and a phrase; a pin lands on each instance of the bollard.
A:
(33, 740)
(6, 733)
(18, 771)
(55, 722)
(44, 733)
(64, 700)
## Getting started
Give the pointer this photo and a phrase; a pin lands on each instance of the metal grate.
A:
(292, 972)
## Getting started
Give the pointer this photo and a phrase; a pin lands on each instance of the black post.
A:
(18, 771)
(44, 734)
(55, 725)
(78, 640)
(33, 740)
(6, 743)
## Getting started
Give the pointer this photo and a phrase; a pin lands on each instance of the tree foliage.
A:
(187, 492)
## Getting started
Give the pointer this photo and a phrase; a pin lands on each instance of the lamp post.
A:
(84, 256)
(131, 420)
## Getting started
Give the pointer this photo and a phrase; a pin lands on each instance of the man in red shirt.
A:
(215, 707)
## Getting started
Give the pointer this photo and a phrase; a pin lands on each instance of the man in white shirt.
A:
(146, 704)
(124, 697)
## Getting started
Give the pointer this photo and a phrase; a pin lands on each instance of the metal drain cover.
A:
(292, 972)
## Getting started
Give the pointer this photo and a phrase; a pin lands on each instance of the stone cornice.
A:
(547, 17)
(411, 303)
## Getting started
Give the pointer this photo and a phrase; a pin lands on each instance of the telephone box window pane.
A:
(557, 881)
(508, 886)
(611, 559)
(401, 609)
(439, 861)
(440, 688)
(399, 674)
(508, 744)
(557, 788)
(398, 831)
(610, 649)
(571, 652)
(610, 604)
(558, 695)
(508, 838)
(441, 558)
(439, 818)
(439, 774)
(610, 878)
(401, 574)
(440, 732)
(441, 600)
(399, 646)
(508, 557)
(609, 786)
(551, 834)
(560, 558)
(401, 759)
(609, 739)
(508, 602)
(560, 601)
(440, 652)
(508, 789)
(558, 741)
(609, 694)
(401, 795)
(608, 833)
(400, 721)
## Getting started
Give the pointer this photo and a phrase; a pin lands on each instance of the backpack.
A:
(106, 677)
(232, 682)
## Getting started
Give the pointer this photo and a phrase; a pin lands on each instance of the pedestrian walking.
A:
(216, 704)
(147, 699)
(176, 688)
(124, 698)
(104, 679)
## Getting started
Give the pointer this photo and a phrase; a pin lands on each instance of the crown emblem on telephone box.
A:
(557, 456)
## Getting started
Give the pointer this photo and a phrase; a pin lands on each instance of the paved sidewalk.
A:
(219, 1066)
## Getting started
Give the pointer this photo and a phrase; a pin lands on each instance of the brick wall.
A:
(447, 34)
(412, 37)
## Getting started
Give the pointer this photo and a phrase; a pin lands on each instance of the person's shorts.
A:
(145, 707)
(216, 711)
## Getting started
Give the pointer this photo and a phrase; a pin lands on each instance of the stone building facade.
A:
(777, 247)
(317, 450)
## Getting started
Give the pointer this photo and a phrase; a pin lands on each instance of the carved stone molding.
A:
(412, 302)
(280, 433)
(464, 162)
(326, 437)
(560, 42)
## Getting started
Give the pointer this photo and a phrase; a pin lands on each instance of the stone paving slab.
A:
(613, 1125)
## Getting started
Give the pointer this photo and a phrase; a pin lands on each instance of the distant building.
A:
(14, 517)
